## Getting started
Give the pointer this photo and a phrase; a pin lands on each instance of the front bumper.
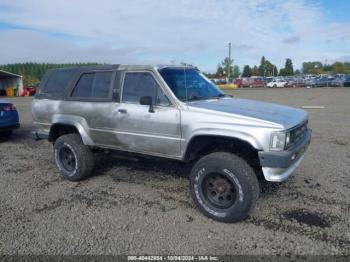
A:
(278, 166)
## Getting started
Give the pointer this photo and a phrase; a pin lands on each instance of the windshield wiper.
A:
(222, 95)
(193, 98)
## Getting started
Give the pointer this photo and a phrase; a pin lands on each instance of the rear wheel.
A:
(224, 187)
(73, 159)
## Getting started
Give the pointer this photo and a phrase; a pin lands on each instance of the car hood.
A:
(283, 115)
(3, 101)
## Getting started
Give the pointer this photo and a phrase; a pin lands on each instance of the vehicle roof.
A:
(122, 67)
(91, 67)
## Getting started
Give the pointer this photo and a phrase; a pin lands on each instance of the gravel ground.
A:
(144, 207)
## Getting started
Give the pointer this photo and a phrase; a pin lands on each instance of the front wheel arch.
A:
(200, 145)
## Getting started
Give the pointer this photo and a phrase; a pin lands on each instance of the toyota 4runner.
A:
(175, 113)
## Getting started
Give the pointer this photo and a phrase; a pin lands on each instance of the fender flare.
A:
(78, 122)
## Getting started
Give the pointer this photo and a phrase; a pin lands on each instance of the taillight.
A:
(9, 107)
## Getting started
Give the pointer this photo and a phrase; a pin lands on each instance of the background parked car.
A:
(310, 82)
(295, 82)
(29, 91)
(253, 82)
(238, 82)
(269, 79)
(338, 81)
(9, 119)
(277, 83)
(323, 81)
(346, 82)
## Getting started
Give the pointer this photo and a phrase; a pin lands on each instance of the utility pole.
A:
(229, 57)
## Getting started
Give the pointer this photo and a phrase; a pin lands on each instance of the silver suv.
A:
(175, 113)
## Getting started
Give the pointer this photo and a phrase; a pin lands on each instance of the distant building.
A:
(8, 79)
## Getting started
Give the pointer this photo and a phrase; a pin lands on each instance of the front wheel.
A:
(224, 187)
(73, 159)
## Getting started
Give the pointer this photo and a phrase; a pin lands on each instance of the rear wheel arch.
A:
(59, 129)
(62, 128)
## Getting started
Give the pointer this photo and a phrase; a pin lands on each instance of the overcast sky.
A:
(161, 31)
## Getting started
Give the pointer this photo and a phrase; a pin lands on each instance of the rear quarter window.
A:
(58, 81)
(94, 85)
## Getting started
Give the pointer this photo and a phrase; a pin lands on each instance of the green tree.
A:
(338, 68)
(219, 71)
(288, 68)
(227, 65)
(236, 71)
(247, 71)
(255, 71)
(328, 68)
(262, 66)
(312, 67)
(274, 71)
(266, 68)
(33, 72)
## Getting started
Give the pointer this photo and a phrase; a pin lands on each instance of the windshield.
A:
(188, 84)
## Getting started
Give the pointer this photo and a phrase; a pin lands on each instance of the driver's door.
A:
(138, 129)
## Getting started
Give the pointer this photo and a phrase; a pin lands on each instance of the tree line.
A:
(33, 72)
(266, 68)
(319, 68)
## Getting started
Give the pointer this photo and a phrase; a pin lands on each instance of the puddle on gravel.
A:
(308, 218)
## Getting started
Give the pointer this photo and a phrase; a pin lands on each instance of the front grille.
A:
(297, 133)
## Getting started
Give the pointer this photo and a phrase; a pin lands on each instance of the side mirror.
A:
(147, 101)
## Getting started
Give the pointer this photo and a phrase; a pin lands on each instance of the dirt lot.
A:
(144, 207)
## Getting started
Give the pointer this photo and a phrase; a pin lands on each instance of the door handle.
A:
(122, 111)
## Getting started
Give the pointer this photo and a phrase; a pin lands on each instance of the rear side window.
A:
(84, 86)
(102, 84)
(58, 81)
(94, 85)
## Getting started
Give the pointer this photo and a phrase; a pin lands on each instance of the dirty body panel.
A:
(118, 123)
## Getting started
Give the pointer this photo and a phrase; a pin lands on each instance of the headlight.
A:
(278, 141)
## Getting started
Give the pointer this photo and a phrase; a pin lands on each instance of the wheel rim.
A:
(67, 158)
(219, 190)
